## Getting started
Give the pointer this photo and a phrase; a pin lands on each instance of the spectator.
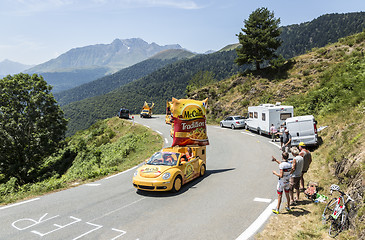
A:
(296, 173)
(273, 132)
(307, 160)
(286, 141)
(281, 132)
(283, 182)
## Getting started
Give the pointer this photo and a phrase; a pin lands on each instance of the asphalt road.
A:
(236, 190)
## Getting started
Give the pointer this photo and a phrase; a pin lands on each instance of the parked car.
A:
(123, 113)
(233, 122)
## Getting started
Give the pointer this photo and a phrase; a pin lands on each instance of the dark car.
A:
(123, 113)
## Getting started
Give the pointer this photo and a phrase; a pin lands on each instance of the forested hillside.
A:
(158, 87)
(63, 80)
(108, 83)
(299, 38)
(328, 83)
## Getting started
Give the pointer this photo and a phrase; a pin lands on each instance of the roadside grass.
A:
(108, 147)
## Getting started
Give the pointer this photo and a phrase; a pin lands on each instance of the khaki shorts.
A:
(294, 183)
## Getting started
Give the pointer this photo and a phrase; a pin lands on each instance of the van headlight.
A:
(136, 173)
(166, 176)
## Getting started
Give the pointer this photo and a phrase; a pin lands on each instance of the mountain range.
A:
(119, 54)
(85, 64)
(108, 83)
(9, 67)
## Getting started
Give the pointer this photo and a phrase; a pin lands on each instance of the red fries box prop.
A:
(189, 122)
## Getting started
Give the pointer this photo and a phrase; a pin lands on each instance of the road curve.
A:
(237, 188)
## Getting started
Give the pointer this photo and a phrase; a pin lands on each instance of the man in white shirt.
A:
(283, 182)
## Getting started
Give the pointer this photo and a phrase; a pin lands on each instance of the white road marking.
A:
(121, 172)
(267, 200)
(31, 221)
(159, 132)
(166, 141)
(247, 133)
(92, 230)
(92, 184)
(58, 227)
(118, 209)
(117, 230)
(147, 126)
(19, 203)
(274, 144)
(258, 222)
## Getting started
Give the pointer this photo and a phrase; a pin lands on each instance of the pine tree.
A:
(261, 38)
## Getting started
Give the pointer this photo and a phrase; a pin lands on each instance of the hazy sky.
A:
(35, 31)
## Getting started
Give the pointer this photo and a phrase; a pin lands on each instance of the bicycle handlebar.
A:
(343, 194)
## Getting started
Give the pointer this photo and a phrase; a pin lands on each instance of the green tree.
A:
(31, 125)
(261, 38)
(200, 80)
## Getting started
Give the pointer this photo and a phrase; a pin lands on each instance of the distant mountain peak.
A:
(119, 54)
(10, 67)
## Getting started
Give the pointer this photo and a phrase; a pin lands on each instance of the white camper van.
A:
(303, 129)
(261, 117)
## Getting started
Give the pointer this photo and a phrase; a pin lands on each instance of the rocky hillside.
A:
(328, 83)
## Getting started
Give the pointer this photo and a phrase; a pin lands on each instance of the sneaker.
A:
(288, 209)
(276, 211)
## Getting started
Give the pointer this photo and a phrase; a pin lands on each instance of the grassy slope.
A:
(329, 83)
(107, 147)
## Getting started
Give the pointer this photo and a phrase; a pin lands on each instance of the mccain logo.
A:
(193, 114)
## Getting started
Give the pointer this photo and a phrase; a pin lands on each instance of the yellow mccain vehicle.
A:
(169, 169)
(168, 112)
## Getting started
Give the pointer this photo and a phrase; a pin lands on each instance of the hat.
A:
(302, 144)
(287, 130)
(294, 151)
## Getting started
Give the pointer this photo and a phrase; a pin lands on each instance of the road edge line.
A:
(19, 203)
(251, 230)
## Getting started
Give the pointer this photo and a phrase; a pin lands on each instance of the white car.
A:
(233, 122)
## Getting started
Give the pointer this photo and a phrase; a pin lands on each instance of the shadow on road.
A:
(185, 187)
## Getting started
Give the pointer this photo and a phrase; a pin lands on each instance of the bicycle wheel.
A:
(335, 227)
(328, 210)
(339, 224)
(344, 220)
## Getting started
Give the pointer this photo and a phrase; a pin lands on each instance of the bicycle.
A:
(336, 211)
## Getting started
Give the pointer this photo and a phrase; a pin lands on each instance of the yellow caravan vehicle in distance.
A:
(170, 168)
(168, 112)
(147, 110)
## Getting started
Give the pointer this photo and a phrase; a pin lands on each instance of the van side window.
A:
(284, 116)
(263, 117)
(251, 114)
(255, 115)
